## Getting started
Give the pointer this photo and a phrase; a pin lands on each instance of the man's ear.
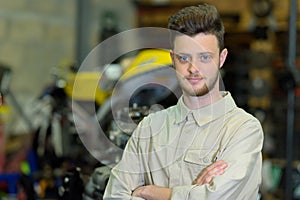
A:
(223, 56)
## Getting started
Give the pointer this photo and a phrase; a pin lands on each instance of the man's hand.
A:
(215, 169)
(138, 192)
(152, 192)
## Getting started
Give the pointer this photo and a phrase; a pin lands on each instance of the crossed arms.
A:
(238, 177)
(152, 192)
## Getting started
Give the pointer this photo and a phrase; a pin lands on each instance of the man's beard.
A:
(201, 91)
(196, 92)
(187, 88)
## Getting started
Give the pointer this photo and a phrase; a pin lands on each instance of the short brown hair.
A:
(192, 20)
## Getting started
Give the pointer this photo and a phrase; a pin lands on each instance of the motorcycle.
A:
(147, 85)
(87, 116)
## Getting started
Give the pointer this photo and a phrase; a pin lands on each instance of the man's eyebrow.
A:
(182, 53)
(199, 53)
(206, 52)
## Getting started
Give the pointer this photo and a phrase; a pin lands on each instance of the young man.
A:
(205, 147)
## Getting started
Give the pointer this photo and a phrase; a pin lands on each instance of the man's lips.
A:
(194, 79)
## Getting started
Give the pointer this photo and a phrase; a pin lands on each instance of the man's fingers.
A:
(215, 168)
(207, 175)
(217, 164)
(138, 191)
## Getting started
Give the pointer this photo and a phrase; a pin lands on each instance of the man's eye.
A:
(205, 58)
(183, 58)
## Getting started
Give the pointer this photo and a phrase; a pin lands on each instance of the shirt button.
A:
(205, 159)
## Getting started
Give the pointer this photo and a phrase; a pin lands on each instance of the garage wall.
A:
(35, 36)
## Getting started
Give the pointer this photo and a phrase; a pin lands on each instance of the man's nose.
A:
(193, 68)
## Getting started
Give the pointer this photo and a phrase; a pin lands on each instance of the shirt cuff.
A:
(181, 192)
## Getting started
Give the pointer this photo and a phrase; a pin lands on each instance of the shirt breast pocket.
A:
(196, 160)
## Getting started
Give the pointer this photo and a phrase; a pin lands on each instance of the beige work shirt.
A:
(170, 148)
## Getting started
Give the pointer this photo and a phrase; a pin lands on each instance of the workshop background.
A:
(44, 43)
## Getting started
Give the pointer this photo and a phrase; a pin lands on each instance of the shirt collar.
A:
(208, 113)
(181, 111)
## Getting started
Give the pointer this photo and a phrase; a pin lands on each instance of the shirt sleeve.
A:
(126, 175)
(242, 177)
